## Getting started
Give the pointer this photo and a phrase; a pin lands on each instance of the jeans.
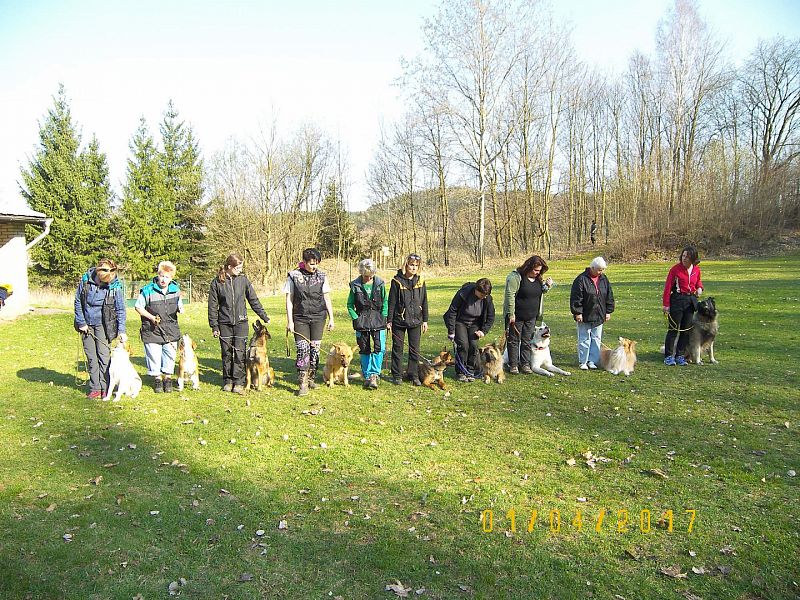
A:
(160, 358)
(589, 338)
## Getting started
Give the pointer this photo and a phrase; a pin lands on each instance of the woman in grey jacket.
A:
(227, 317)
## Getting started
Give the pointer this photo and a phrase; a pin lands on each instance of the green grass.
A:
(398, 490)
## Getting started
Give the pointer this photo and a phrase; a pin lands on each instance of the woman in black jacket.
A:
(227, 317)
(408, 313)
(469, 318)
(591, 302)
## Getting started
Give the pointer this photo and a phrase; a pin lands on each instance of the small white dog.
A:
(188, 368)
(122, 373)
(541, 361)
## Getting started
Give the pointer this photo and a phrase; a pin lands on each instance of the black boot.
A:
(302, 377)
(312, 373)
(167, 384)
(158, 384)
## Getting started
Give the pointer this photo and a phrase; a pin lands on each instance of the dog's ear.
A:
(621, 340)
(266, 332)
(194, 345)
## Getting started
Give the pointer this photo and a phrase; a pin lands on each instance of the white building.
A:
(14, 253)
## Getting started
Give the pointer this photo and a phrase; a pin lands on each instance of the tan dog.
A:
(491, 358)
(432, 374)
(188, 367)
(337, 363)
(621, 359)
(259, 373)
(122, 374)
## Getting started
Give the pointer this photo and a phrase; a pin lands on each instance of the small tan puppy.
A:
(337, 363)
(492, 364)
(188, 368)
(122, 374)
(621, 359)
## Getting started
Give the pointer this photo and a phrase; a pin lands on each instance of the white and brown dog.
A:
(188, 367)
(122, 374)
(541, 361)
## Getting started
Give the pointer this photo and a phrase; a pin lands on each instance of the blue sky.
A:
(230, 66)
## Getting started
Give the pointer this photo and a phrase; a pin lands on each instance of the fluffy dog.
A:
(258, 371)
(337, 363)
(491, 358)
(123, 375)
(541, 361)
(705, 326)
(432, 374)
(188, 368)
(621, 359)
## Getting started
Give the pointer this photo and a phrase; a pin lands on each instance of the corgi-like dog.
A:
(188, 367)
(621, 359)
(122, 374)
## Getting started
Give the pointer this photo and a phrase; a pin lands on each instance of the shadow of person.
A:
(47, 376)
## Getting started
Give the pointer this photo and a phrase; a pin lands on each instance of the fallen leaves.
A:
(245, 577)
(398, 588)
(657, 473)
(674, 571)
(96, 480)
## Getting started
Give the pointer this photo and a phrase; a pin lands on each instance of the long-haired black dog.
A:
(705, 327)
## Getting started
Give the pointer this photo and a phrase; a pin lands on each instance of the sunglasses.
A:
(105, 270)
(414, 257)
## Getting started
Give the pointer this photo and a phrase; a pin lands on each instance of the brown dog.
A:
(259, 373)
(432, 374)
(621, 359)
(188, 369)
(491, 358)
(337, 363)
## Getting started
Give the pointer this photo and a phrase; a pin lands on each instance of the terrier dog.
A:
(337, 363)
(259, 373)
(432, 374)
(491, 358)
(188, 368)
(621, 359)
(122, 374)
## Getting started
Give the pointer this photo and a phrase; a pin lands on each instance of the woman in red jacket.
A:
(681, 290)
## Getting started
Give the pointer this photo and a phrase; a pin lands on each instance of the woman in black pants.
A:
(408, 313)
(681, 290)
(469, 318)
(227, 317)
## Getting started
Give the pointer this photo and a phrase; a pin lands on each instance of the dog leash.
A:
(397, 337)
(672, 325)
(297, 333)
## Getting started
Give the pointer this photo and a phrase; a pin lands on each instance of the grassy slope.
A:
(398, 491)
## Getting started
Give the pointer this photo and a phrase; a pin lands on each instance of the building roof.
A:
(18, 210)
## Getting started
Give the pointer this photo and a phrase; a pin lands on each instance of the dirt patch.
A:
(50, 311)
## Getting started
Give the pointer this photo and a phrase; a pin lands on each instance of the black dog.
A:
(705, 327)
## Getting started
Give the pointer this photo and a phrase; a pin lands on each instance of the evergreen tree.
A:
(337, 234)
(72, 188)
(183, 179)
(147, 216)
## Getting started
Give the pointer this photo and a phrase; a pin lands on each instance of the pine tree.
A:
(183, 179)
(72, 188)
(337, 234)
(147, 216)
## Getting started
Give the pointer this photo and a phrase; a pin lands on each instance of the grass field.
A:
(342, 493)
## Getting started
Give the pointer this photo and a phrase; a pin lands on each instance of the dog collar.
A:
(539, 347)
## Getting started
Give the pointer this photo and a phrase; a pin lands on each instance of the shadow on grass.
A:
(48, 376)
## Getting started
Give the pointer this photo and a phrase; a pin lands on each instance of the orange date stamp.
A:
(619, 521)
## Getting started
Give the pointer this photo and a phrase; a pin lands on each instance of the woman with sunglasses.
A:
(408, 314)
(99, 317)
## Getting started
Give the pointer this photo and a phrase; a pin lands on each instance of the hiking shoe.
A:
(416, 381)
(158, 385)
(237, 389)
(94, 395)
(591, 365)
(514, 371)
(526, 369)
(681, 361)
(167, 385)
(583, 367)
(373, 382)
(670, 361)
(463, 378)
(397, 380)
(227, 387)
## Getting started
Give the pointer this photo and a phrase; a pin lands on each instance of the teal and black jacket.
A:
(100, 303)
(164, 304)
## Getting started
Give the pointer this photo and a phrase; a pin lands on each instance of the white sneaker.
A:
(591, 365)
(584, 367)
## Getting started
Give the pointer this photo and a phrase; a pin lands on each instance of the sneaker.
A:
(373, 382)
(591, 365)
(669, 361)
(416, 381)
(463, 378)
(168, 385)
(583, 367)
(227, 387)
(397, 380)
(681, 361)
(526, 369)
(94, 395)
(514, 371)
(158, 385)
(238, 389)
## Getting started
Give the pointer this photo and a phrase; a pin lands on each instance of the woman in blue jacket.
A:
(99, 317)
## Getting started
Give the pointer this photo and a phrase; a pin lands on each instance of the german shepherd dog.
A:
(259, 373)
(705, 326)
(432, 375)
(491, 358)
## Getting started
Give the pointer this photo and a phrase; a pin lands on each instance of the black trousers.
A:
(398, 341)
(98, 357)
(467, 345)
(681, 310)
(232, 341)
(519, 342)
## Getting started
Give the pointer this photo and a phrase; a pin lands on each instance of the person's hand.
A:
(665, 309)
(424, 328)
(479, 334)
(157, 319)
(579, 318)
(608, 316)
(290, 327)
(123, 337)
(451, 336)
(266, 321)
(83, 329)
(699, 291)
(330, 325)
(389, 325)
(215, 333)
(549, 282)
(511, 320)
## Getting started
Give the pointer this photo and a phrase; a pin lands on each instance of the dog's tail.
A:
(501, 343)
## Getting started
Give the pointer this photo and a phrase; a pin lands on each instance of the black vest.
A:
(528, 300)
(164, 305)
(368, 308)
(308, 301)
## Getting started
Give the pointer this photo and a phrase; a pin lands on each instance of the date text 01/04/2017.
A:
(623, 523)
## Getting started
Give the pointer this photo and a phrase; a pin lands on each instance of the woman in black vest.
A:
(158, 304)
(408, 313)
(469, 318)
(227, 317)
(368, 307)
(308, 301)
